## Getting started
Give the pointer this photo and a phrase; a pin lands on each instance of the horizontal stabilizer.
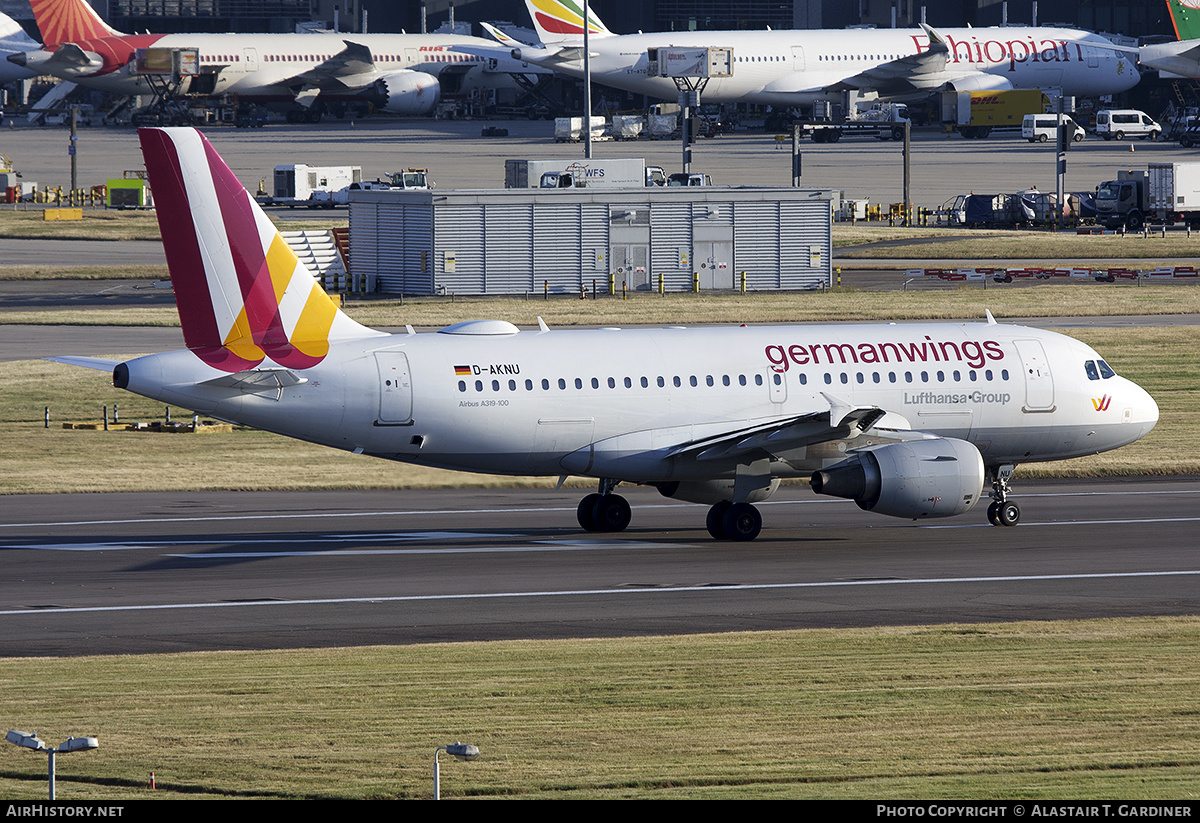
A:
(97, 363)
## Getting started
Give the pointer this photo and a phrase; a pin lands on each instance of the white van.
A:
(1117, 124)
(1038, 128)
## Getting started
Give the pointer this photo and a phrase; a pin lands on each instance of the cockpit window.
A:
(1098, 370)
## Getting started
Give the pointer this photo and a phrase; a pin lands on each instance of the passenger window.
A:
(676, 381)
(612, 384)
(512, 385)
(478, 385)
(803, 379)
(758, 381)
(595, 383)
(462, 385)
(562, 384)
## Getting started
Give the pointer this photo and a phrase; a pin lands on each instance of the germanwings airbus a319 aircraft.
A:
(797, 68)
(906, 420)
(398, 72)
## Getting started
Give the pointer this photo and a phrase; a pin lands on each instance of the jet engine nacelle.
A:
(711, 491)
(408, 92)
(923, 478)
(980, 81)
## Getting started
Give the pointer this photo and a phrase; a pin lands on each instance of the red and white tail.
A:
(69, 21)
(243, 295)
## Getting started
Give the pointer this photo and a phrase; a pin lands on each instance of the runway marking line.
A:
(592, 592)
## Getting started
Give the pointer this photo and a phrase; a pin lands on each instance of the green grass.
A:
(1065, 710)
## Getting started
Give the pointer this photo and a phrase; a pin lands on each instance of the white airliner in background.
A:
(797, 68)
(14, 40)
(398, 72)
(907, 420)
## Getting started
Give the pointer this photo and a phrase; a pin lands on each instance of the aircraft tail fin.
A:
(243, 295)
(561, 21)
(69, 21)
(1186, 19)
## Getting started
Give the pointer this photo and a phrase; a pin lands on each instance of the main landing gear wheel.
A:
(741, 522)
(584, 513)
(716, 519)
(604, 513)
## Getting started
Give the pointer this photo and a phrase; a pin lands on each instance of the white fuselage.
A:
(794, 67)
(268, 65)
(612, 403)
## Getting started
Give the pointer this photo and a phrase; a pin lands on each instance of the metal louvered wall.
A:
(517, 241)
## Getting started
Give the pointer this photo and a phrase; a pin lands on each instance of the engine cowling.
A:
(408, 92)
(942, 477)
(711, 491)
(980, 81)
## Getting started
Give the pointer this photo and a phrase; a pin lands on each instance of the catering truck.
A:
(630, 173)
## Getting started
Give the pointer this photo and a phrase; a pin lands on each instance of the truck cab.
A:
(1122, 202)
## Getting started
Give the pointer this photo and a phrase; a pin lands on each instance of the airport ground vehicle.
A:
(1117, 124)
(1167, 193)
(977, 113)
(313, 186)
(611, 173)
(1038, 128)
(407, 179)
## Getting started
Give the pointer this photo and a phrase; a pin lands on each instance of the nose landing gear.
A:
(1002, 511)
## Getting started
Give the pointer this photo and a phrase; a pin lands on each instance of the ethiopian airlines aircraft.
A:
(797, 68)
(906, 420)
(398, 72)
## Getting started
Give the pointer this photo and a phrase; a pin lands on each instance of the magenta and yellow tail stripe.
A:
(243, 295)
(560, 20)
(68, 21)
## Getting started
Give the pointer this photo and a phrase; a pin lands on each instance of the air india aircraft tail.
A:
(69, 21)
(561, 21)
(243, 295)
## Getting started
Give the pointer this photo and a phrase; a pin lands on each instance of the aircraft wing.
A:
(916, 72)
(783, 435)
(339, 71)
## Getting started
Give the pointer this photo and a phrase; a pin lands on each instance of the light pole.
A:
(463, 751)
(29, 740)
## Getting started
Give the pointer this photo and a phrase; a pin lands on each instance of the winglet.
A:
(242, 294)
